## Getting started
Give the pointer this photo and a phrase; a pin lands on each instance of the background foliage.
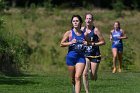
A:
(30, 35)
(130, 4)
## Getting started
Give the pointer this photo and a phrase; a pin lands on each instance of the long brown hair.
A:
(119, 26)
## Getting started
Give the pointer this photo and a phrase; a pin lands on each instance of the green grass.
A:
(51, 25)
(125, 82)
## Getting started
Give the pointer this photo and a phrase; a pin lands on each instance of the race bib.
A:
(89, 50)
(79, 47)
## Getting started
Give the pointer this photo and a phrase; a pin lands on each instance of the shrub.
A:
(14, 51)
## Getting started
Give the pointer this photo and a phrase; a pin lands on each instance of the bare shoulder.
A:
(82, 28)
(122, 30)
(98, 33)
(111, 30)
(67, 33)
(96, 30)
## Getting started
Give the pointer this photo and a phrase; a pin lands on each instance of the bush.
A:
(14, 51)
(2, 5)
(129, 56)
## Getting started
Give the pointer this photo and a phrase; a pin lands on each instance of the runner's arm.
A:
(123, 35)
(110, 35)
(64, 40)
(101, 38)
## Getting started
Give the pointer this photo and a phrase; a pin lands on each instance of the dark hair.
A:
(119, 26)
(78, 16)
(89, 14)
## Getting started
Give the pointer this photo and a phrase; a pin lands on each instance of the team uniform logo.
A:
(79, 46)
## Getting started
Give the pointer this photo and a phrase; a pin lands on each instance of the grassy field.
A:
(43, 29)
(126, 82)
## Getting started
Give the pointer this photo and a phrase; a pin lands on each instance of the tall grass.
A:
(43, 30)
(13, 51)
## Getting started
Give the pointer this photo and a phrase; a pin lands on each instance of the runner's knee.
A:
(77, 78)
(85, 75)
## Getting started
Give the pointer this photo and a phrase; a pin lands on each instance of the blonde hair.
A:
(89, 14)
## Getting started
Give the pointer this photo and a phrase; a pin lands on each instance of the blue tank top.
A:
(78, 46)
(115, 37)
(92, 50)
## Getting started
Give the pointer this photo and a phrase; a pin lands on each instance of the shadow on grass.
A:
(20, 80)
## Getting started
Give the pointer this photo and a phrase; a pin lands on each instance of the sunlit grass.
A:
(125, 82)
(53, 24)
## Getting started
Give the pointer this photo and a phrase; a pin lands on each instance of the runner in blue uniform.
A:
(75, 60)
(116, 36)
(92, 52)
